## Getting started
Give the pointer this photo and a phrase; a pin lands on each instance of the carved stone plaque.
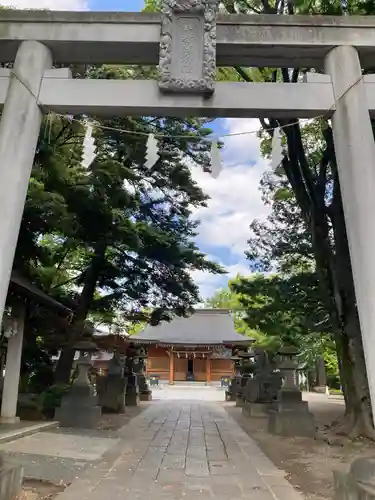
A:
(188, 46)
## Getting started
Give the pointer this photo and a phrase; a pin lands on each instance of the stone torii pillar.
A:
(355, 154)
(14, 333)
(19, 131)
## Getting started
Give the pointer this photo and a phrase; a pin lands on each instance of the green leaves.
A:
(117, 236)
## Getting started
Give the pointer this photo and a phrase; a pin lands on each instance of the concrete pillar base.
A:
(10, 481)
(9, 420)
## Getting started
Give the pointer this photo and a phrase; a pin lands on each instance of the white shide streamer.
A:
(277, 149)
(216, 165)
(89, 148)
(152, 151)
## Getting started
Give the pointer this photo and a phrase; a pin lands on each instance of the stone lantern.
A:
(145, 393)
(290, 416)
(79, 407)
(288, 367)
(235, 382)
(132, 397)
(262, 389)
(245, 368)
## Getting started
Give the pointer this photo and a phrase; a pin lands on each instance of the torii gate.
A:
(190, 47)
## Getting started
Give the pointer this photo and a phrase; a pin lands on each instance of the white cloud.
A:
(242, 147)
(210, 283)
(47, 4)
(235, 201)
(235, 196)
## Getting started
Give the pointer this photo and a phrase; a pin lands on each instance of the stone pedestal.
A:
(132, 397)
(240, 396)
(290, 416)
(79, 409)
(111, 391)
(229, 396)
(234, 388)
(145, 394)
(239, 400)
(358, 483)
(257, 410)
(10, 481)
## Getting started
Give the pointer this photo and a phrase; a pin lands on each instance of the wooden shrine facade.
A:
(186, 363)
(198, 348)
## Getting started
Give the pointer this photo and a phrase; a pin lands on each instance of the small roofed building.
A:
(20, 293)
(198, 348)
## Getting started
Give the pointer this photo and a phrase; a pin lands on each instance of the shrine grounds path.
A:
(183, 449)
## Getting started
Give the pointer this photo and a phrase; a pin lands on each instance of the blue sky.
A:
(235, 198)
(117, 5)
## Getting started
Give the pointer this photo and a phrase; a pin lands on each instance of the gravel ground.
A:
(308, 462)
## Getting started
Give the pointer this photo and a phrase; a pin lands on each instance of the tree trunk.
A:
(65, 362)
(359, 409)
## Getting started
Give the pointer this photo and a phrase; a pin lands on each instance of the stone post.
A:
(355, 154)
(358, 483)
(12, 368)
(19, 131)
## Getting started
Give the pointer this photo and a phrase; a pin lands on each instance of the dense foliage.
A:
(279, 310)
(307, 225)
(113, 239)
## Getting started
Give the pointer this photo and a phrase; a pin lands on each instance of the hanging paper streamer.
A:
(277, 149)
(152, 151)
(216, 166)
(89, 147)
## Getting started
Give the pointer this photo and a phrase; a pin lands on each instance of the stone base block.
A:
(345, 487)
(111, 391)
(133, 400)
(145, 396)
(229, 396)
(9, 420)
(289, 397)
(291, 423)
(358, 483)
(132, 396)
(255, 409)
(239, 401)
(10, 481)
(83, 417)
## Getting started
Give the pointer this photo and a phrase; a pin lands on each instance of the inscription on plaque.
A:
(187, 57)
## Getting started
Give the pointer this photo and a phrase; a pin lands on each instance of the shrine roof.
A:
(203, 327)
(22, 287)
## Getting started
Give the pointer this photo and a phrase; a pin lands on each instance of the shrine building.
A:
(198, 348)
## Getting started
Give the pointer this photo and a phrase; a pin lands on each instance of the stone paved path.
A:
(183, 450)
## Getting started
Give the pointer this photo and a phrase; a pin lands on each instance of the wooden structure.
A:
(20, 293)
(198, 348)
